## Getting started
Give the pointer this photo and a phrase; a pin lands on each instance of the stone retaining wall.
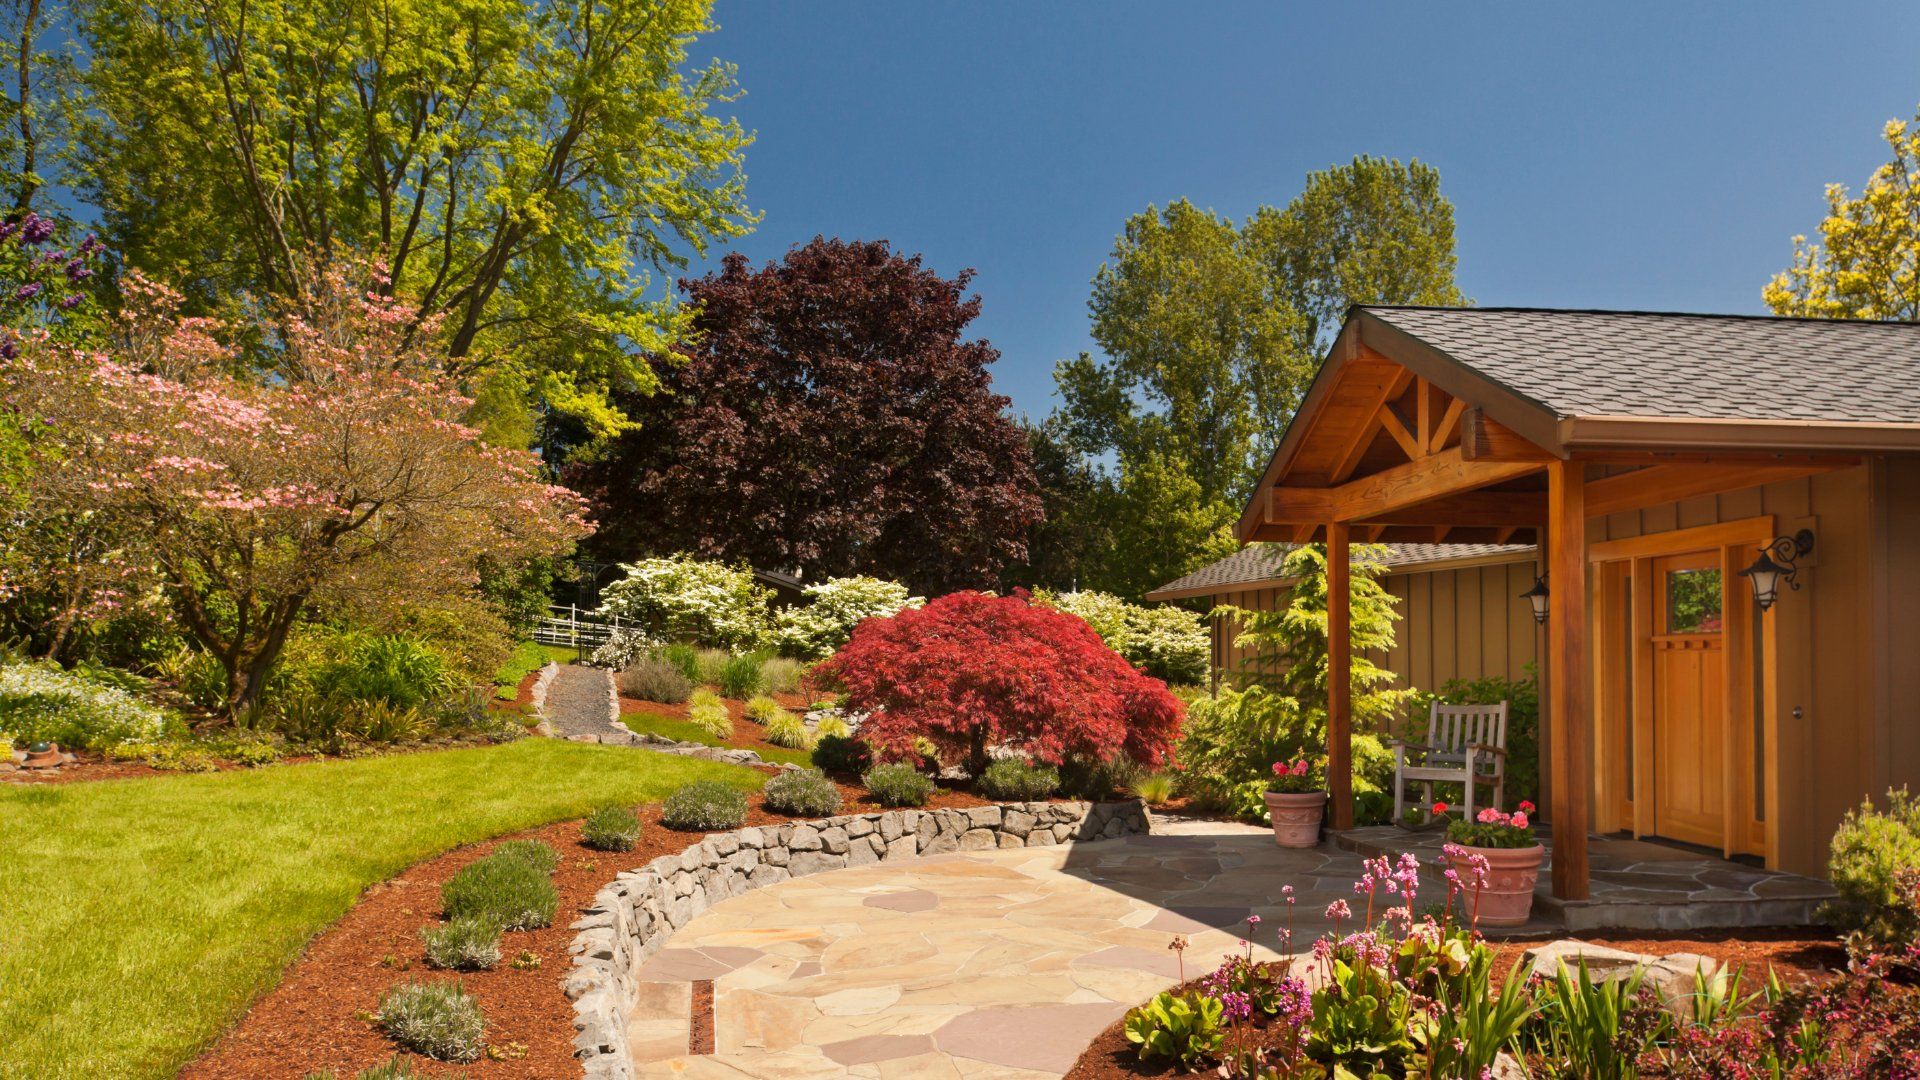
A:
(632, 918)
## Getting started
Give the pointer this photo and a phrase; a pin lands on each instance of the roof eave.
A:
(1702, 433)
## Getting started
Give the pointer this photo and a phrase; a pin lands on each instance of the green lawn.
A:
(650, 723)
(138, 918)
(528, 657)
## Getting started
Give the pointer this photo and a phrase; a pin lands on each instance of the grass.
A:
(528, 657)
(139, 918)
(652, 723)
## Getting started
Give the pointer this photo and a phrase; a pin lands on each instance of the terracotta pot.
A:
(1296, 818)
(1507, 897)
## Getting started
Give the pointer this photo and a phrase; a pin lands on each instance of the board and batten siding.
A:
(1463, 623)
(1846, 703)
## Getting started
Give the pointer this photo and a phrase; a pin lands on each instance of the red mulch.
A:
(700, 1033)
(1797, 954)
(319, 1015)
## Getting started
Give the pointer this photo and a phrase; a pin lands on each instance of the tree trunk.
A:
(977, 754)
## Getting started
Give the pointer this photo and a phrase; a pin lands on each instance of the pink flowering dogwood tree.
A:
(261, 467)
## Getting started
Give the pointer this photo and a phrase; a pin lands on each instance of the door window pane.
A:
(1693, 602)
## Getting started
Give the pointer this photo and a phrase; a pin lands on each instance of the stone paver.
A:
(981, 965)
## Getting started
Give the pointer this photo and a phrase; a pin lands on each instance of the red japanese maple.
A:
(969, 671)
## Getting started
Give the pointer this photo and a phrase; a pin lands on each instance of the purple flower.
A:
(71, 301)
(9, 346)
(36, 228)
(28, 291)
(78, 271)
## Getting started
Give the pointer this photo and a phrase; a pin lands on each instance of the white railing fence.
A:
(576, 627)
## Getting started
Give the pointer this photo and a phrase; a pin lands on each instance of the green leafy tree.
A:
(1867, 263)
(1375, 231)
(518, 168)
(1210, 332)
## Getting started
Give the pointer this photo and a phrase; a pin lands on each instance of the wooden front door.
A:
(1689, 699)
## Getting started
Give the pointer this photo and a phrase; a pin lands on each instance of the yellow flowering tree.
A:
(1866, 264)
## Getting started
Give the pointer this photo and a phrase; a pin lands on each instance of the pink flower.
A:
(1488, 815)
(1339, 910)
(1519, 821)
(1279, 769)
(1527, 807)
(1300, 767)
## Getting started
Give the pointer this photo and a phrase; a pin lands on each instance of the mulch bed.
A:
(1797, 954)
(319, 1017)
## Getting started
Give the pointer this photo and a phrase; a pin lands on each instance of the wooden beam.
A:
(1416, 482)
(1658, 484)
(1373, 532)
(1292, 506)
(1391, 423)
(1349, 457)
(1483, 439)
(1339, 680)
(1448, 421)
(1440, 533)
(1713, 457)
(1423, 413)
(1571, 767)
(1505, 534)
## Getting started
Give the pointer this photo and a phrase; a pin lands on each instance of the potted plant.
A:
(1296, 802)
(1497, 859)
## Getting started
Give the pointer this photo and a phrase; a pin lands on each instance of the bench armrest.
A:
(1483, 748)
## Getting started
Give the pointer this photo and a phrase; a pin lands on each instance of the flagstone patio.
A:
(991, 965)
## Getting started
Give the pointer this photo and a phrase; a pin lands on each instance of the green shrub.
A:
(611, 828)
(650, 679)
(832, 726)
(1013, 780)
(503, 890)
(535, 853)
(684, 657)
(898, 785)
(1185, 1027)
(437, 1019)
(1083, 778)
(463, 944)
(1167, 642)
(781, 675)
(704, 806)
(761, 709)
(396, 1068)
(834, 607)
(681, 598)
(740, 676)
(1874, 863)
(708, 664)
(41, 702)
(709, 714)
(842, 754)
(788, 730)
(382, 721)
(393, 668)
(802, 793)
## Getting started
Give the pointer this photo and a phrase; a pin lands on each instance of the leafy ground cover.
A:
(528, 657)
(139, 918)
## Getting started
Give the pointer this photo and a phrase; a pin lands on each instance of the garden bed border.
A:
(635, 915)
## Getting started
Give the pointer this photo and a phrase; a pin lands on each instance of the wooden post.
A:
(1339, 680)
(1572, 770)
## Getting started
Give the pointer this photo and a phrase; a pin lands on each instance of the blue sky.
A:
(1654, 156)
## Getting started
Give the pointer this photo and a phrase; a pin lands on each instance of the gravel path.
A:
(581, 701)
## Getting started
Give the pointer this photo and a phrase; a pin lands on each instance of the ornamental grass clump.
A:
(508, 890)
(611, 828)
(1013, 780)
(740, 676)
(802, 793)
(898, 785)
(704, 806)
(651, 679)
(788, 730)
(463, 945)
(709, 713)
(832, 727)
(761, 709)
(781, 675)
(439, 1020)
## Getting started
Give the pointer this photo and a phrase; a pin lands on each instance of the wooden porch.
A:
(1396, 444)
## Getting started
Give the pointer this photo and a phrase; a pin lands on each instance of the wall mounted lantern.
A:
(1779, 561)
(1537, 596)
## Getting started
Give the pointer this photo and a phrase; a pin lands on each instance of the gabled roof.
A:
(1681, 366)
(1258, 565)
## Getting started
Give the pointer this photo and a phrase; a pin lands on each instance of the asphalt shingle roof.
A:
(1623, 363)
(1260, 563)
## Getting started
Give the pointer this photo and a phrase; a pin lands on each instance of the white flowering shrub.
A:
(41, 702)
(834, 607)
(681, 598)
(623, 647)
(1169, 643)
